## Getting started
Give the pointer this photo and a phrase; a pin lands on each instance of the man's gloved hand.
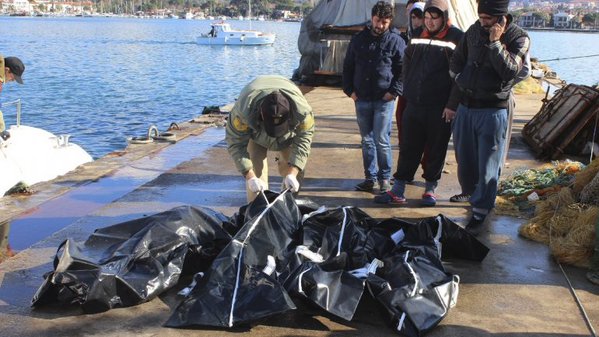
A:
(292, 183)
(255, 184)
(4, 135)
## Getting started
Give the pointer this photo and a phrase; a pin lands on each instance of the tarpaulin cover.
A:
(399, 262)
(134, 261)
(455, 241)
(329, 257)
(241, 284)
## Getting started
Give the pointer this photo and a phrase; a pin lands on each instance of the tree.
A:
(591, 19)
(541, 18)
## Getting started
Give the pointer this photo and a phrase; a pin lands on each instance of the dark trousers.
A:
(422, 127)
(401, 106)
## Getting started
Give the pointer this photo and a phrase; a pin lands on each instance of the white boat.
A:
(31, 155)
(222, 34)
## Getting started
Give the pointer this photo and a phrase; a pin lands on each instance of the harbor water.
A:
(105, 79)
(102, 80)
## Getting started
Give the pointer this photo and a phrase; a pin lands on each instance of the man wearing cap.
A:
(13, 69)
(271, 113)
(372, 78)
(485, 66)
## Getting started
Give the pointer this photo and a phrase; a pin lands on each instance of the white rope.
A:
(240, 257)
(342, 230)
(594, 134)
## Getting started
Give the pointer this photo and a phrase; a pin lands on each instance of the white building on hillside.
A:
(562, 20)
(16, 6)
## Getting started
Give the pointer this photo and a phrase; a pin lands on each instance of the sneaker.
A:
(475, 225)
(462, 197)
(428, 200)
(390, 198)
(593, 277)
(366, 186)
(384, 186)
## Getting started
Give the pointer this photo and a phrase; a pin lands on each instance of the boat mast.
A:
(250, 12)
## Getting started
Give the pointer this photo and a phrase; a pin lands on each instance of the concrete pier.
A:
(518, 290)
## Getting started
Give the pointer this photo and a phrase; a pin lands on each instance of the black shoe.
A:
(476, 224)
(462, 197)
(366, 186)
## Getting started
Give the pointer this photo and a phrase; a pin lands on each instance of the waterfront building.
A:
(16, 6)
(562, 20)
(528, 19)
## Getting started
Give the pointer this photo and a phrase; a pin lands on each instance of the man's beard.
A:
(377, 31)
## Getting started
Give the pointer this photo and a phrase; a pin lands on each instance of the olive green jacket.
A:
(245, 123)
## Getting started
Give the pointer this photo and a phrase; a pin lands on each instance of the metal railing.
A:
(17, 103)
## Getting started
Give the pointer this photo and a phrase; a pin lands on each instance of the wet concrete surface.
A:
(49, 217)
(518, 290)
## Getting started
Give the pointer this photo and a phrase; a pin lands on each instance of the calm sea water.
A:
(105, 79)
(563, 45)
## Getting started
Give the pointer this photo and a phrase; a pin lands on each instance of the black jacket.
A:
(372, 65)
(484, 71)
(426, 69)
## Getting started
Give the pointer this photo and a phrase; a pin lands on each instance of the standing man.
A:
(426, 121)
(372, 78)
(12, 70)
(270, 114)
(485, 66)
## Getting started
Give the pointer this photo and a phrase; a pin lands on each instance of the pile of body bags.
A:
(249, 266)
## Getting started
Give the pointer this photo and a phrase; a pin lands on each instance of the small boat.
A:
(222, 34)
(31, 155)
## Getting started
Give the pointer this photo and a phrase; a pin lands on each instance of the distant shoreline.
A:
(572, 30)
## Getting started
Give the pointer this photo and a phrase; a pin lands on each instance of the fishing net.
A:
(577, 244)
(503, 206)
(537, 229)
(566, 226)
(518, 193)
(528, 86)
(585, 176)
(590, 193)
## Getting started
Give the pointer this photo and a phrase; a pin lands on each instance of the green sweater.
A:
(244, 123)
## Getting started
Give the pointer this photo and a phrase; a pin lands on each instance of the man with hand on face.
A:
(485, 66)
(426, 121)
(271, 113)
(372, 78)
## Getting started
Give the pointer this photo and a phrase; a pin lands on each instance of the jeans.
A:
(374, 121)
(479, 140)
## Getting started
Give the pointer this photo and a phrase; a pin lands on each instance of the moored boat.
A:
(31, 155)
(222, 34)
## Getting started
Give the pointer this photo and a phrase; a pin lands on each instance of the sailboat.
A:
(221, 33)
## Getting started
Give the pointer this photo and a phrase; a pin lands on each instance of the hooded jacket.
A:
(372, 65)
(244, 123)
(426, 63)
(411, 31)
(484, 71)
